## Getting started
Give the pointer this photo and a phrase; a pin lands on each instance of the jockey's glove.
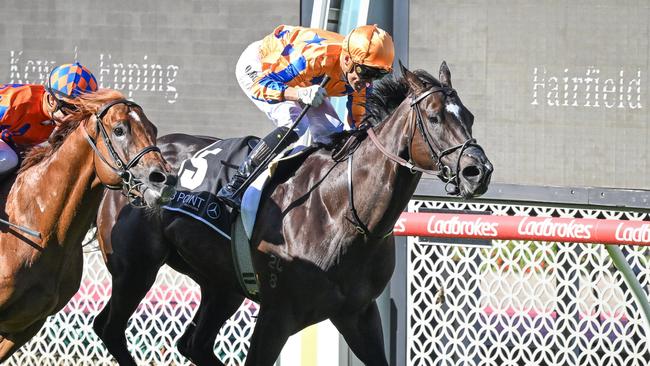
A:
(312, 95)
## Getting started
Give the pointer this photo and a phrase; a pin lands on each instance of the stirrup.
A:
(229, 197)
(232, 192)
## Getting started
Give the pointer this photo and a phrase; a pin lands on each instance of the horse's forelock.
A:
(428, 79)
(89, 103)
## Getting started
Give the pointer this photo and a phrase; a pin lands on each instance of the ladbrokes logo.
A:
(456, 226)
(571, 229)
(633, 234)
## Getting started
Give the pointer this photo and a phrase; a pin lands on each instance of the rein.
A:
(129, 184)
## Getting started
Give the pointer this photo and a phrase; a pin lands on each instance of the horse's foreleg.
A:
(197, 343)
(129, 288)
(10, 343)
(272, 329)
(362, 331)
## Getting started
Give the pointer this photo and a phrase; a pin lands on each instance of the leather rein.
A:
(130, 185)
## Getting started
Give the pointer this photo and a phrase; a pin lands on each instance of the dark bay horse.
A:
(57, 192)
(335, 261)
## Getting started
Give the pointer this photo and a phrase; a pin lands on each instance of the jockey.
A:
(282, 72)
(30, 112)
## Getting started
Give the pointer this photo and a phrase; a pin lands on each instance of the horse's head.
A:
(124, 140)
(443, 140)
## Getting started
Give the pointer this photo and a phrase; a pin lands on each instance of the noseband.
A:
(444, 172)
(130, 184)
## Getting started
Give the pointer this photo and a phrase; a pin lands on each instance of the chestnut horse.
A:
(321, 246)
(57, 192)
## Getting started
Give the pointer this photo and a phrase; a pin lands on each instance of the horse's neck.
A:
(387, 187)
(58, 196)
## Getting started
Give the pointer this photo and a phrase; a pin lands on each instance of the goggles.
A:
(369, 73)
(64, 107)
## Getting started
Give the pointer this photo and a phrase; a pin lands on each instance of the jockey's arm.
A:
(273, 85)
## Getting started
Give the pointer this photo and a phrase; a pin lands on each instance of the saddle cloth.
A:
(200, 178)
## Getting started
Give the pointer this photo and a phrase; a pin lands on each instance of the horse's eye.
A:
(436, 118)
(118, 131)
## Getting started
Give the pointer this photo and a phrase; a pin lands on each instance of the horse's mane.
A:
(387, 94)
(87, 105)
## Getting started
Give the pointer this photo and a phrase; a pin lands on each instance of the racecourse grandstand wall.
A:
(558, 88)
(175, 58)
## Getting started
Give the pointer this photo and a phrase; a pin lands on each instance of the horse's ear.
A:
(402, 68)
(445, 75)
(413, 81)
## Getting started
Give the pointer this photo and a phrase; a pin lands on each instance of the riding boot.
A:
(231, 194)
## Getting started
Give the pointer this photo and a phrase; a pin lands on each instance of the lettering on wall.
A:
(127, 77)
(29, 71)
(144, 76)
(587, 87)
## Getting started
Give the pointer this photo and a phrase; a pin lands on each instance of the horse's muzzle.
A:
(160, 187)
(475, 173)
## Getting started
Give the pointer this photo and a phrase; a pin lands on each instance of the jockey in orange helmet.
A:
(281, 73)
(28, 111)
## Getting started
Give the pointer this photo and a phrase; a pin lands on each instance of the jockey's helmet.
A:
(371, 46)
(71, 80)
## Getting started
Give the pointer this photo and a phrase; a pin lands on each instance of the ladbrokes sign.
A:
(443, 225)
(573, 229)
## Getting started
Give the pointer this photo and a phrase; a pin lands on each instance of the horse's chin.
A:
(156, 197)
(468, 194)
(469, 190)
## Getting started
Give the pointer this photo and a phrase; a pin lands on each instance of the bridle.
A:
(444, 172)
(130, 185)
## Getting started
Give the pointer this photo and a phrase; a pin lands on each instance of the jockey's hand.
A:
(312, 95)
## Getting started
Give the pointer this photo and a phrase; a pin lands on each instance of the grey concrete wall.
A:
(509, 62)
(175, 58)
(558, 88)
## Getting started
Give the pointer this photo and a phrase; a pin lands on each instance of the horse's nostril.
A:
(471, 171)
(157, 177)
